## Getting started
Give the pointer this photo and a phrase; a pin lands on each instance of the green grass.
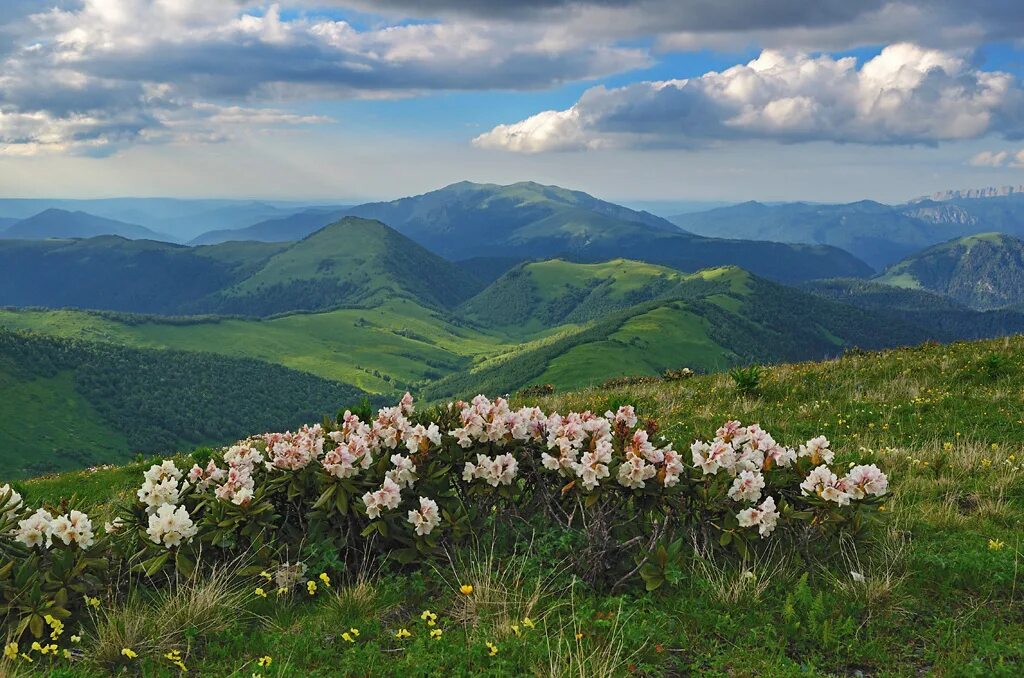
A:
(946, 426)
(52, 424)
(379, 349)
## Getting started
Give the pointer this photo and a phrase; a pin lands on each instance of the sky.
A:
(683, 100)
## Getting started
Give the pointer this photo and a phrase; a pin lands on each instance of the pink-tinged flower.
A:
(765, 517)
(389, 496)
(673, 466)
(822, 482)
(818, 450)
(634, 471)
(404, 472)
(426, 518)
(747, 486)
(861, 481)
(729, 431)
(713, 457)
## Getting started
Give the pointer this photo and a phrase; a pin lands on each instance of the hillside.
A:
(531, 221)
(108, 272)
(983, 271)
(58, 223)
(541, 295)
(710, 321)
(280, 229)
(70, 404)
(350, 262)
(876, 233)
(944, 426)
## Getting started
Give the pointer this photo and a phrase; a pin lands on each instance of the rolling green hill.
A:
(984, 271)
(713, 320)
(538, 296)
(350, 262)
(69, 404)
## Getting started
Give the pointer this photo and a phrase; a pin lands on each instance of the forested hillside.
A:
(74, 404)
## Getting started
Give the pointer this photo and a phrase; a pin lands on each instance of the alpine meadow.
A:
(568, 338)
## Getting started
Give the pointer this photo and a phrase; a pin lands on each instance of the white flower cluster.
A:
(498, 470)
(426, 517)
(10, 507)
(748, 452)
(39, 529)
(161, 486)
(171, 525)
(858, 483)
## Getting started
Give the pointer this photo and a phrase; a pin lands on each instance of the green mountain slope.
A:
(351, 262)
(723, 317)
(58, 223)
(532, 221)
(984, 271)
(541, 295)
(68, 404)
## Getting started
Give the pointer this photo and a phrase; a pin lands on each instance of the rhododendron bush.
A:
(400, 484)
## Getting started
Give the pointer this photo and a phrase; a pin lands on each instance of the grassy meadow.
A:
(936, 591)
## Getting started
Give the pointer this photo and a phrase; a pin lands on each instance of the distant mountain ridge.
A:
(279, 229)
(58, 223)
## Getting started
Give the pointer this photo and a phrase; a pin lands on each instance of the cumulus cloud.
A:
(905, 95)
(91, 75)
(997, 159)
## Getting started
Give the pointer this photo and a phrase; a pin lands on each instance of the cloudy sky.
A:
(627, 99)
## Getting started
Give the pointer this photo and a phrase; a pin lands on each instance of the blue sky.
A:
(630, 100)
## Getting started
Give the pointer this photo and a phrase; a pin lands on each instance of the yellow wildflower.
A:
(260, 592)
(37, 647)
(436, 634)
(528, 623)
(579, 636)
(11, 650)
(515, 630)
(127, 652)
(266, 575)
(325, 579)
(354, 632)
(282, 591)
(402, 633)
(429, 617)
(76, 639)
(995, 545)
(265, 661)
(492, 649)
(347, 637)
(466, 589)
(92, 602)
(26, 658)
(311, 587)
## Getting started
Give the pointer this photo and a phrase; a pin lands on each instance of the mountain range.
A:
(58, 223)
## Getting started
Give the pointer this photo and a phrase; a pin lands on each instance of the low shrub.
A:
(399, 488)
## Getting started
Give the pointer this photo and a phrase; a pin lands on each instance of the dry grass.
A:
(503, 593)
(572, 653)
(186, 612)
(746, 581)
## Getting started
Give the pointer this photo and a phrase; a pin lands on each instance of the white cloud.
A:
(93, 76)
(905, 95)
(998, 159)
